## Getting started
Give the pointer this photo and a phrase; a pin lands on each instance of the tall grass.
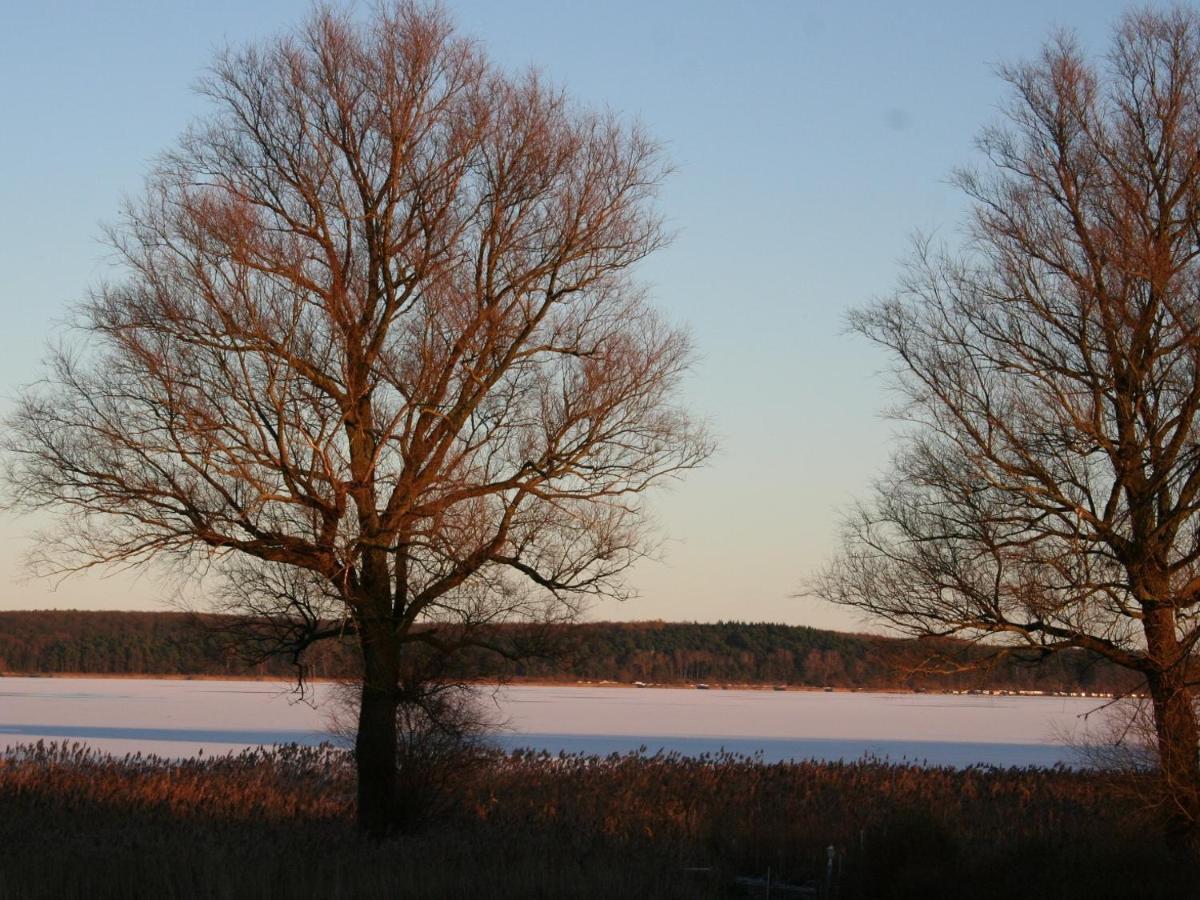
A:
(279, 824)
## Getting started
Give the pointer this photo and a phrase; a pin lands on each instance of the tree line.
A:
(158, 643)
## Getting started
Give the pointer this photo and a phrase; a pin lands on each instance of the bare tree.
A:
(444, 727)
(376, 350)
(1047, 483)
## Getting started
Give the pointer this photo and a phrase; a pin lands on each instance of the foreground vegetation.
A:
(280, 824)
(155, 643)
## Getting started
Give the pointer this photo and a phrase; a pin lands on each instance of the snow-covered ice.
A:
(181, 717)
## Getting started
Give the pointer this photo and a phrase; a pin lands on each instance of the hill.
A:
(163, 643)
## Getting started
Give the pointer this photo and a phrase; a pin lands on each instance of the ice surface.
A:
(168, 717)
(181, 717)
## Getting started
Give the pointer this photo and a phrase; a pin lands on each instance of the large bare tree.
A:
(374, 352)
(1046, 488)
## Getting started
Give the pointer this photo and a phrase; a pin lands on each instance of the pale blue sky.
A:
(810, 138)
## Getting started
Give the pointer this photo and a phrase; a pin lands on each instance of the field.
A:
(278, 824)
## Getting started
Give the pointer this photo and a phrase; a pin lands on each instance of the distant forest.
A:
(153, 643)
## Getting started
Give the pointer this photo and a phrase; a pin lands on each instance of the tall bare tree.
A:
(1046, 488)
(376, 350)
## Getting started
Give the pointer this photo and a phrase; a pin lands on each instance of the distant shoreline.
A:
(515, 681)
(530, 682)
(548, 682)
(680, 655)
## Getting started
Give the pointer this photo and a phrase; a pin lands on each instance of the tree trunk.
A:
(375, 744)
(1175, 728)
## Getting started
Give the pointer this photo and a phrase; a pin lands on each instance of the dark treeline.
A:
(153, 643)
(144, 643)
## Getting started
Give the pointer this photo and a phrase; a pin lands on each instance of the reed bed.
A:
(279, 823)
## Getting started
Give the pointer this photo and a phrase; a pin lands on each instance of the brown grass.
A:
(278, 824)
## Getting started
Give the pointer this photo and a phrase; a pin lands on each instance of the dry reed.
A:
(279, 824)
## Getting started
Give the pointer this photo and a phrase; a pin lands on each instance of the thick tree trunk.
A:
(1175, 728)
(375, 745)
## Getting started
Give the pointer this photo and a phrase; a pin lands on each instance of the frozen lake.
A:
(181, 718)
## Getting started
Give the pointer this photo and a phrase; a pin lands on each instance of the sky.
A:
(811, 140)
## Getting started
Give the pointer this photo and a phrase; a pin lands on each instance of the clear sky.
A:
(811, 139)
